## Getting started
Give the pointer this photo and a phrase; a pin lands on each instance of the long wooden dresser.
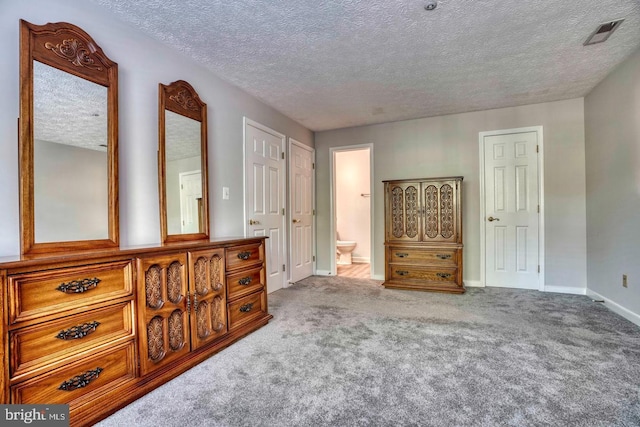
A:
(98, 330)
(423, 234)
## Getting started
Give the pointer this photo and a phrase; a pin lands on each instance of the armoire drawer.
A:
(42, 293)
(36, 346)
(78, 382)
(246, 309)
(244, 256)
(245, 282)
(400, 272)
(408, 255)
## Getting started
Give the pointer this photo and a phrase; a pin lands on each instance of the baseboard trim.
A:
(473, 283)
(615, 307)
(323, 273)
(377, 276)
(361, 259)
(565, 290)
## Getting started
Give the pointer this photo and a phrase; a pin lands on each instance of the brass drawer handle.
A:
(402, 272)
(244, 281)
(80, 381)
(402, 254)
(77, 332)
(444, 256)
(244, 255)
(78, 286)
(246, 308)
(443, 275)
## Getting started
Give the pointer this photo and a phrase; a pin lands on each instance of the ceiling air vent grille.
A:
(603, 32)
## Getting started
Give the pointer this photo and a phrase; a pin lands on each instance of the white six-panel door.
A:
(511, 205)
(301, 173)
(265, 196)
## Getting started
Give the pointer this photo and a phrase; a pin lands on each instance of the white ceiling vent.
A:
(603, 32)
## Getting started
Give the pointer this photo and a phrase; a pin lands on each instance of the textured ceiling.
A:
(332, 64)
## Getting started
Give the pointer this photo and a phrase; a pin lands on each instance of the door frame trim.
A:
(481, 136)
(290, 205)
(283, 188)
(332, 200)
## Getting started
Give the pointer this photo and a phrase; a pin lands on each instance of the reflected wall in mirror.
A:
(68, 141)
(182, 164)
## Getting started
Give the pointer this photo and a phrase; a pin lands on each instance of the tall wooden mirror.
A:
(68, 143)
(182, 164)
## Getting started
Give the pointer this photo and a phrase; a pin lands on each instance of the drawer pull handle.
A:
(244, 281)
(78, 286)
(402, 272)
(244, 255)
(77, 332)
(80, 381)
(402, 254)
(443, 275)
(246, 308)
(444, 256)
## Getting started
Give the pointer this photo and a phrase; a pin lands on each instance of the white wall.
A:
(142, 64)
(353, 211)
(448, 146)
(612, 131)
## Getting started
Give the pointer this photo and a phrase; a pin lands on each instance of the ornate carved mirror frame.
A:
(180, 98)
(69, 49)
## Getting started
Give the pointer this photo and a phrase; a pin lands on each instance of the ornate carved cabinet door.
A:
(403, 212)
(440, 201)
(163, 310)
(207, 288)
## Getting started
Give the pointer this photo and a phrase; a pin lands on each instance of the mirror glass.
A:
(68, 141)
(182, 163)
(70, 177)
(183, 174)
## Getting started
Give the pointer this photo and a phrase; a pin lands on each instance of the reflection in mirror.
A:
(69, 157)
(68, 141)
(182, 164)
(183, 174)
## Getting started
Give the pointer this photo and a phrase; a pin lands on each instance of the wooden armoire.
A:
(423, 234)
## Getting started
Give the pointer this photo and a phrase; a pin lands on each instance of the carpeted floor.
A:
(347, 352)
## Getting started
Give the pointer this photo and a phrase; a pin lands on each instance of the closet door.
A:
(403, 207)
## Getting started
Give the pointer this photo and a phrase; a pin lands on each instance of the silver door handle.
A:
(491, 219)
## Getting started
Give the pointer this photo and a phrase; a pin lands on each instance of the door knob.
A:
(491, 219)
(252, 222)
(295, 221)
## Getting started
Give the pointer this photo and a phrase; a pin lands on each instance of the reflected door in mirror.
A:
(183, 174)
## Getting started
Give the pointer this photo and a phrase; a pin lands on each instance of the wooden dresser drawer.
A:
(246, 309)
(444, 257)
(43, 293)
(432, 274)
(245, 282)
(34, 347)
(244, 256)
(78, 382)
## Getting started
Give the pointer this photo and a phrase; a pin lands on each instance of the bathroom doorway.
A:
(352, 210)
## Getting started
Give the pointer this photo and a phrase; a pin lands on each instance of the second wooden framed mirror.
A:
(182, 164)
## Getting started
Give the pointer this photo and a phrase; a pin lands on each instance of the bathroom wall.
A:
(353, 211)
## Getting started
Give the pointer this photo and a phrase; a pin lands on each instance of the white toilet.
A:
(344, 247)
